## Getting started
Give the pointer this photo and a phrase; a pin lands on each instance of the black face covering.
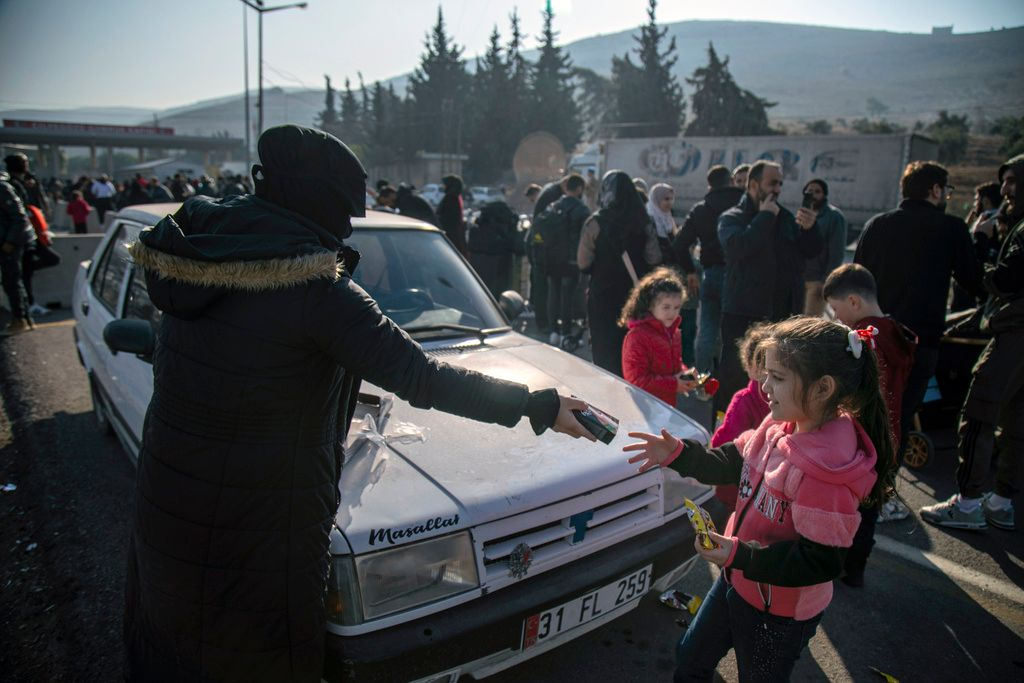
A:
(313, 174)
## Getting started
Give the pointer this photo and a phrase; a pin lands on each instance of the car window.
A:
(106, 283)
(418, 280)
(138, 306)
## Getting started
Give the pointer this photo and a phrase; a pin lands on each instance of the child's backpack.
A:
(551, 230)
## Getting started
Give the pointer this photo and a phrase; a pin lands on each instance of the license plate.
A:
(597, 603)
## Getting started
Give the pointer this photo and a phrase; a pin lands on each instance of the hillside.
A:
(812, 72)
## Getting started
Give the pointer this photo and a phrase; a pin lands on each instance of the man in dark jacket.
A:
(493, 242)
(412, 205)
(548, 195)
(16, 234)
(450, 216)
(560, 265)
(913, 251)
(701, 225)
(764, 246)
(996, 396)
(262, 346)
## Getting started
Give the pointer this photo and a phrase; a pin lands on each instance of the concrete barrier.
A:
(52, 286)
(62, 221)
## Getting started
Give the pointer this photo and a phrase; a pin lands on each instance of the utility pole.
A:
(261, 9)
(245, 62)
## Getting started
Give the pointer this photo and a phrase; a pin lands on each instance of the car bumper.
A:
(485, 636)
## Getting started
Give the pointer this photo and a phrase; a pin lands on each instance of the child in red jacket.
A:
(652, 351)
(803, 473)
(78, 209)
(851, 292)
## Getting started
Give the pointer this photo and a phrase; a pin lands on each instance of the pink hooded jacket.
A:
(799, 485)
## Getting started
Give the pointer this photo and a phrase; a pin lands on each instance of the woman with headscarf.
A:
(659, 208)
(450, 215)
(263, 344)
(617, 247)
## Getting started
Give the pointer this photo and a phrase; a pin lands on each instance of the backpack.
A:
(551, 233)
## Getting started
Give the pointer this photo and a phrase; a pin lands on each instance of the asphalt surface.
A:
(937, 606)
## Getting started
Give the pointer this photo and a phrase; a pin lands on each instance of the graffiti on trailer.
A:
(670, 160)
(838, 165)
(786, 158)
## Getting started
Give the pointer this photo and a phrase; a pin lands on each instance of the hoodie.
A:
(796, 511)
(652, 356)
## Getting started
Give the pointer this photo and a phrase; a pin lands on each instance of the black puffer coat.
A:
(262, 340)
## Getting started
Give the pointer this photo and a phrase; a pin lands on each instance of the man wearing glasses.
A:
(913, 251)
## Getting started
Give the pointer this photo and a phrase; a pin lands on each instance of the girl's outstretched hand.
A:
(654, 451)
(717, 555)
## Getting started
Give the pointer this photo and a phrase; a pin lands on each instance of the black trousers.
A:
(606, 336)
(10, 276)
(36, 258)
(925, 360)
(561, 291)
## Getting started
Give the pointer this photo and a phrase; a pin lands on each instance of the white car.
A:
(433, 193)
(482, 195)
(460, 548)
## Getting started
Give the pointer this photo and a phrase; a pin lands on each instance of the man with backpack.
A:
(493, 242)
(559, 226)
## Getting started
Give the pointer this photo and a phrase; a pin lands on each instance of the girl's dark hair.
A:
(658, 281)
(750, 346)
(814, 348)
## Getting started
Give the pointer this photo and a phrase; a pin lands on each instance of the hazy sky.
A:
(150, 53)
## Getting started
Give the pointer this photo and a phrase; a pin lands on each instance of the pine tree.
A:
(351, 119)
(518, 104)
(489, 153)
(554, 107)
(437, 90)
(720, 106)
(595, 97)
(328, 119)
(648, 99)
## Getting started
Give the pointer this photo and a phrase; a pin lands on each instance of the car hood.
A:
(411, 474)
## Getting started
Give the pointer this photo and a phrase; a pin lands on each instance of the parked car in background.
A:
(482, 195)
(459, 548)
(432, 192)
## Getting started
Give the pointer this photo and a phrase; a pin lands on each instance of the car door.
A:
(136, 374)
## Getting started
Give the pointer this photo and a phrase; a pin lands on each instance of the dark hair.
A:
(850, 278)
(574, 182)
(919, 177)
(719, 176)
(531, 189)
(820, 183)
(750, 346)
(814, 348)
(387, 191)
(742, 168)
(989, 191)
(658, 281)
(757, 170)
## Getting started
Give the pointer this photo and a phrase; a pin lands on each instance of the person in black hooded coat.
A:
(414, 206)
(261, 349)
(449, 213)
(620, 226)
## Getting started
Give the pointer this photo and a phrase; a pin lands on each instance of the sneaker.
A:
(997, 517)
(555, 339)
(893, 511)
(37, 311)
(950, 515)
(16, 327)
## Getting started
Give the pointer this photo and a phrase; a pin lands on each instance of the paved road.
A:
(938, 606)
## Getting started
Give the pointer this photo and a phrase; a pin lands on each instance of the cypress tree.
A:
(328, 118)
(437, 90)
(554, 107)
(489, 153)
(720, 106)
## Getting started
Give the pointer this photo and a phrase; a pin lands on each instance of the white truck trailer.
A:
(862, 171)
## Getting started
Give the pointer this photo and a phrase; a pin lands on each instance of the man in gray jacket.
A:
(832, 224)
(16, 234)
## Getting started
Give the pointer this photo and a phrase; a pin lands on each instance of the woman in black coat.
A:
(620, 226)
(261, 350)
(450, 216)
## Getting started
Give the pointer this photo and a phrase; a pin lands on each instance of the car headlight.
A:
(399, 579)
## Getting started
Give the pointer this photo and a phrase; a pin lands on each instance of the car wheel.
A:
(99, 410)
(919, 450)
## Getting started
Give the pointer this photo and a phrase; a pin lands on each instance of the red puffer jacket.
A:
(652, 356)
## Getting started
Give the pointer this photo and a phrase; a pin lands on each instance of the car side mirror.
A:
(131, 336)
(511, 303)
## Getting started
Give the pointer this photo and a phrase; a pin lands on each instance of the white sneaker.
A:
(555, 339)
(893, 511)
(38, 311)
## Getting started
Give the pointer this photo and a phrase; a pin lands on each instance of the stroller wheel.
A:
(919, 450)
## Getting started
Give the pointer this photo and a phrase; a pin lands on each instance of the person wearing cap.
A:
(262, 346)
(996, 395)
(832, 224)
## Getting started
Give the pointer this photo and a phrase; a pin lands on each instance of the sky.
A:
(158, 54)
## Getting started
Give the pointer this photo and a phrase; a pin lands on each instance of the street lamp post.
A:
(261, 9)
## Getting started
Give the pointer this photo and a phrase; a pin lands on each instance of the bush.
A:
(1012, 130)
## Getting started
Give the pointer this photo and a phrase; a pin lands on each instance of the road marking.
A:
(985, 582)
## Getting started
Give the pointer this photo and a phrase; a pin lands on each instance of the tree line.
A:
(485, 114)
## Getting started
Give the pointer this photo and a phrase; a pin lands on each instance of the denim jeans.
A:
(767, 646)
(561, 290)
(709, 327)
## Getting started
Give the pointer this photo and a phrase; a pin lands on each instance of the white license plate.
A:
(597, 603)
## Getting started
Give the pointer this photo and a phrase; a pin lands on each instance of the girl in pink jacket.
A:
(823, 449)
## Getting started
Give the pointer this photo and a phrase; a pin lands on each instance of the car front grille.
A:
(564, 531)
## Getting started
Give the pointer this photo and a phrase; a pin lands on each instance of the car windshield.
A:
(420, 282)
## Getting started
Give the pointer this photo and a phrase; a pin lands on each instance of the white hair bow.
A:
(858, 337)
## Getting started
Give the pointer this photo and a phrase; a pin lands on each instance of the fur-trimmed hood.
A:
(210, 248)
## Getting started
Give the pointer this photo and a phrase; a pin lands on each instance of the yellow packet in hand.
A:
(701, 522)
